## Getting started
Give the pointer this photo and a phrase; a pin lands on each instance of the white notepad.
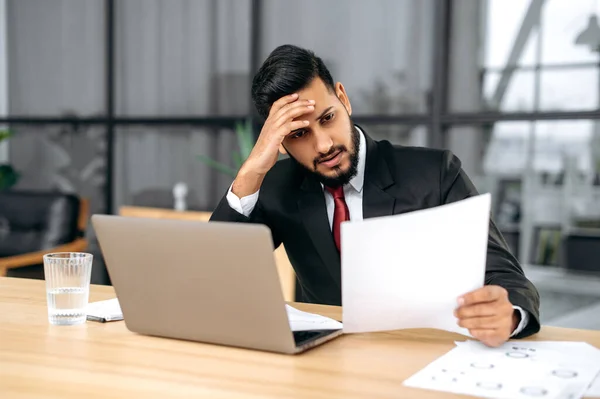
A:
(103, 311)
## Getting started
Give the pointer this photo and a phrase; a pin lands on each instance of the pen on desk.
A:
(95, 318)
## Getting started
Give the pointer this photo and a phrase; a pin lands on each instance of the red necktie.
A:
(340, 213)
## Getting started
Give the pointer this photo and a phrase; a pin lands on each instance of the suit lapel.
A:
(313, 212)
(376, 201)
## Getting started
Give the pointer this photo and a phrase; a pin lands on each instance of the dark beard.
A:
(342, 178)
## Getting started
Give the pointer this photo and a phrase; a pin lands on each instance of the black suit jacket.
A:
(397, 180)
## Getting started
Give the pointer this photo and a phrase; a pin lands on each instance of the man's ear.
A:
(340, 92)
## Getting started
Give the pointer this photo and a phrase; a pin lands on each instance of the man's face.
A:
(328, 146)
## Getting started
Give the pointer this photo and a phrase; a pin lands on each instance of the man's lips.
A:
(332, 160)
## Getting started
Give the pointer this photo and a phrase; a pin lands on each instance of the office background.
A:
(118, 100)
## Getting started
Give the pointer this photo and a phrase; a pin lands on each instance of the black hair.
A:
(285, 71)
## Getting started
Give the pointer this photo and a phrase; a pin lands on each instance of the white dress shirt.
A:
(353, 193)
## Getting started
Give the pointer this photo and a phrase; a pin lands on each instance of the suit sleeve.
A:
(502, 268)
(225, 212)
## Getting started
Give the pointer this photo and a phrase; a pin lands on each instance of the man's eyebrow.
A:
(323, 113)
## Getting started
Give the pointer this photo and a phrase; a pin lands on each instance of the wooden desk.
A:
(98, 360)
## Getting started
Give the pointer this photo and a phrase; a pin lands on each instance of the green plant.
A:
(8, 176)
(245, 138)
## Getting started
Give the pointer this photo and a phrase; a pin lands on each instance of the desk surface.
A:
(97, 360)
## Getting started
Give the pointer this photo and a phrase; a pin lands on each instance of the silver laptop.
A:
(207, 282)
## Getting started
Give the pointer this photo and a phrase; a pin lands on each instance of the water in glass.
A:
(67, 286)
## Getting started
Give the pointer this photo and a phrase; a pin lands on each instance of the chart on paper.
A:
(514, 370)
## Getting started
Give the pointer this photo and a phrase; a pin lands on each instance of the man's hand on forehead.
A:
(286, 115)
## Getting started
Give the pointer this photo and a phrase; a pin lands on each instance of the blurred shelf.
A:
(584, 231)
(559, 279)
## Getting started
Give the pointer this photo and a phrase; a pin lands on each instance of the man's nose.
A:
(323, 142)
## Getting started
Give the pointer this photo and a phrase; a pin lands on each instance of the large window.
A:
(56, 64)
(380, 50)
(148, 86)
(166, 82)
(182, 57)
(532, 61)
(540, 156)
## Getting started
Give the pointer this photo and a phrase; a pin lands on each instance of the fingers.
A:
(291, 105)
(487, 314)
(488, 322)
(282, 105)
(490, 337)
(488, 293)
(292, 111)
(294, 125)
(282, 102)
(484, 310)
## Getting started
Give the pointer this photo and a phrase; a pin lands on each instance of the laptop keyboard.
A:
(303, 337)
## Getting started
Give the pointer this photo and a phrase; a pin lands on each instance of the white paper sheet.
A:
(407, 271)
(514, 370)
(110, 310)
(303, 321)
(594, 389)
(575, 350)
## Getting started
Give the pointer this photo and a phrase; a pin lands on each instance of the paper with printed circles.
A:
(517, 369)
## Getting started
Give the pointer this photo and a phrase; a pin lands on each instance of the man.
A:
(335, 172)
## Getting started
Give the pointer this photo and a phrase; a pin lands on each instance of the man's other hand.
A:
(488, 315)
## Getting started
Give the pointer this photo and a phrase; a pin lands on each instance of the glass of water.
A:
(67, 286)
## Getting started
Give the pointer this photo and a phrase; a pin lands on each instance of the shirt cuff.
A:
(245, 205)
(523, 322)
